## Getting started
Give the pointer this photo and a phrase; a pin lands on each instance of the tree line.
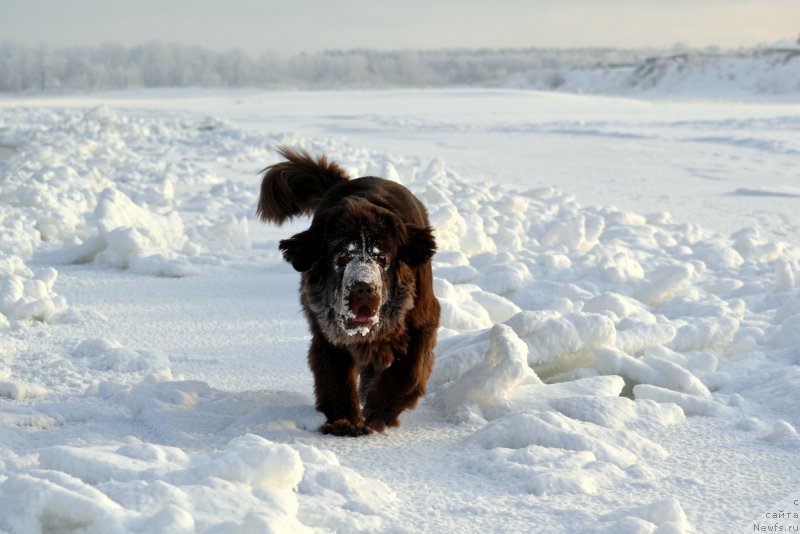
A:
(111, 66)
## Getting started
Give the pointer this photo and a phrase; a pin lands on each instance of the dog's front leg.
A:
(335, 389)
(400, 385)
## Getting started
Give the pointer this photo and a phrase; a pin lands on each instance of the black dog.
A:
(366, 288)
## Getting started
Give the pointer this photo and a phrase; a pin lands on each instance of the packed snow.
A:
(599, 368)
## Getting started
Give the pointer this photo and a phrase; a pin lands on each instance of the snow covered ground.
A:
(620, 336)
(770, 71)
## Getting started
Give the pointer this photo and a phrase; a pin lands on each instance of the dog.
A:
(366, 288)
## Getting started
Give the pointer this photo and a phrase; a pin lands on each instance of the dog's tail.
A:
(295, 187)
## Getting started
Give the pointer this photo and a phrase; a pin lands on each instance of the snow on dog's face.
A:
(361, 267)
(357, 262)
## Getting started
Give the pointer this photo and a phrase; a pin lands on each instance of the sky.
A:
(293, 26)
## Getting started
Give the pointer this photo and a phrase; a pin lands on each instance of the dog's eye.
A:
(343, 260)
(381, 261)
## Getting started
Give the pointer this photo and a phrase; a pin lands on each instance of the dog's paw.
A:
(343, 427)
(379, 422)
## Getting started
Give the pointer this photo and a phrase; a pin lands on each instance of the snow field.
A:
(571, 337)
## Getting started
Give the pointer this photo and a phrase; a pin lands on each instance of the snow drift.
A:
(572, 338)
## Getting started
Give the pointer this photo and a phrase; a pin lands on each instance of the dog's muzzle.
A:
(361, 298)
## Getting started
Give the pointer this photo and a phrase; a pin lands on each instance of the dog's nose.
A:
(362, 289)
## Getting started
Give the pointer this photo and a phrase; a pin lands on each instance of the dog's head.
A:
(359, 263)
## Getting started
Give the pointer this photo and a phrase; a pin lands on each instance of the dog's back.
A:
(382, 193)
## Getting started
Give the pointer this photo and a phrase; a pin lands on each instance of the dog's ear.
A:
(301, 250)
(419, 245)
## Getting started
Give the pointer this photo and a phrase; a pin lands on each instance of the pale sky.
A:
(291, 26)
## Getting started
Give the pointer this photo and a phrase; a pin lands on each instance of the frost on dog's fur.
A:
(362, 268)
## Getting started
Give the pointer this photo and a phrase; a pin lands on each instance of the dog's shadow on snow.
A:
(178, 412)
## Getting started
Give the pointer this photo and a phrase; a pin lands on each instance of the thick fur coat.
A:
(366, 288)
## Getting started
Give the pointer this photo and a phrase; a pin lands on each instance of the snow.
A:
(364, 269)
(618, 349)
(769, 71)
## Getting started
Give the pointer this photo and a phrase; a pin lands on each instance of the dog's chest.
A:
(377, 356)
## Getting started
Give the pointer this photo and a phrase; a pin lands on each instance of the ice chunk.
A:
(551, 429)
(490, 381)
(551, 335)
(691, 405)
(640, 337)
(660, 516)
(665, 284)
